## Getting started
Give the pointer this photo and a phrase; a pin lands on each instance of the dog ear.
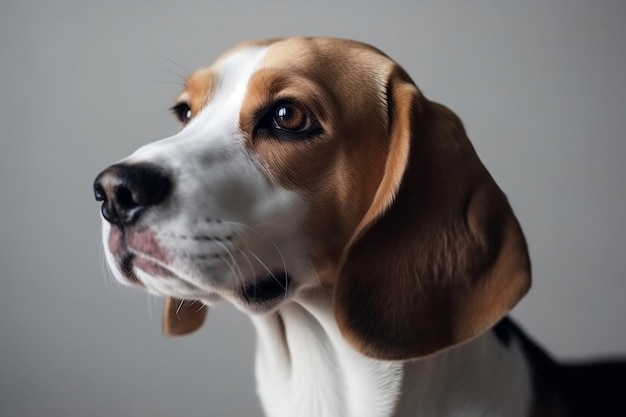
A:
(181, 317)
(439, 257)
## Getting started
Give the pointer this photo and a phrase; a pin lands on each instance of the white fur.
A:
(311, 371)
(220, 191)
(304, 367)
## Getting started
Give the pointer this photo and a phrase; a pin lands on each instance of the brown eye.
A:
(290, 117)
(182, 111)
(287, 120)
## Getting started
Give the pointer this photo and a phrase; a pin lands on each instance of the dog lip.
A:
(144, 242)
(128, 246)
(266, 289)
(126, 263)
(117, 242)
(152, 267)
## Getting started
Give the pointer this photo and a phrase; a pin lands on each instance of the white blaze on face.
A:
(225, 224)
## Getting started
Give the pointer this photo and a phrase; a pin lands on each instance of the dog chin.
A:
(266, 294)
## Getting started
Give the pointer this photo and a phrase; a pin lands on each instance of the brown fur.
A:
(181, 317)
(446, 260)
(419, 243)
(333, 170)
(198, 88)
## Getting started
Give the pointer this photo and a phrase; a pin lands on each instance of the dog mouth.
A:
(268, 289)
(137, 249)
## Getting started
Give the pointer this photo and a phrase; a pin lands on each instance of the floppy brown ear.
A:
(439, 257)
(181, 317)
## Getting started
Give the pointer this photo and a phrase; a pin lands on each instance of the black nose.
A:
(127, 190)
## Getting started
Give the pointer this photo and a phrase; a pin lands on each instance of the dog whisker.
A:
(171, 82)
(179, 306)
(239, 274)
(179, 274)
(316, 275)
(259, 234)
(107, 274)
(182, 78)
(269, 271)
(202, 305)
(187, 73)
(247, 259)
(232, 269)
(247, 248)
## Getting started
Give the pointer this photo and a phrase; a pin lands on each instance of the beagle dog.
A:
(317, 189)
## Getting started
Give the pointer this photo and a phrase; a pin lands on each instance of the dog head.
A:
(317, 162)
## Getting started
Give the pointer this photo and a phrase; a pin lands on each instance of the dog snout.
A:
(128, 190)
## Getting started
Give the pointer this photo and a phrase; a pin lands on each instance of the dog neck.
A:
(304, 367)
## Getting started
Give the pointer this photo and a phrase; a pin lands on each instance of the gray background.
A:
(539, 84)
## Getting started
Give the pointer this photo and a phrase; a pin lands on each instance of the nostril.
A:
(147, 185)
(124, 197)
(127, 190)
(98, 192)
(109, 214)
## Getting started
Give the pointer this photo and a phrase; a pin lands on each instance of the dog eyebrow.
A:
(198, 89)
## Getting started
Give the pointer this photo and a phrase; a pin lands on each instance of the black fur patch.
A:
(586, 389)
(504, 331)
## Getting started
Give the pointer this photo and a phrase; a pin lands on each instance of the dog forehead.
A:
(308, 50)
(333, 60)
(230, 72)
(305, 51)
(315, 57)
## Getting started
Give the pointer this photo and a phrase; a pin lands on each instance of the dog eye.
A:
(290, 117)
(287, 120)
(182, 111)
